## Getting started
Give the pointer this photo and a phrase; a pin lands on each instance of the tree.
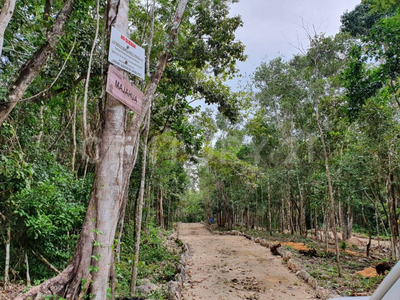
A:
(112, 176)
(5, 17)
(32, 68)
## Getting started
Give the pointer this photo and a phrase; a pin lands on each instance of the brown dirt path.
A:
(224, 267)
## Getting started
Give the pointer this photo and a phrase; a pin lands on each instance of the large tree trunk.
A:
(111, 179)
(32, 68)
(5, 16)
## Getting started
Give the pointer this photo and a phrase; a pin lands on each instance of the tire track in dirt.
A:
(224, 267)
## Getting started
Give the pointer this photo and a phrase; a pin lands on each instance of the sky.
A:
(274, 27)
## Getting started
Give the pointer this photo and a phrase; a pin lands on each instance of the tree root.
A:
(54, 286)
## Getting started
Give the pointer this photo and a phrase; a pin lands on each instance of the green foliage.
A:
(156, 262)
(343, 245)
(45, 208)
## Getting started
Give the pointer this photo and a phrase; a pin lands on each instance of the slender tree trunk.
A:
(340, 213)
(303, 226)
(139, 211)
(269, 208)
(368, 225)
(342, 222)
(349, 221)
(5, 16)
(330, 188)
(28, 276)
(7, 266)
(150, 42)
(392, 217)
(282, 217)
(161, 210)
(122, 214)
(40, 136)
(74, 134)
(169, 220)
(316, 222)
(326, 232)
(32, 68)
(86, 93)
(148, 197)
(121, 230)
(377, 223)
(290, 210)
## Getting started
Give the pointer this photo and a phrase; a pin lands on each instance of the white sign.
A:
(125, 54)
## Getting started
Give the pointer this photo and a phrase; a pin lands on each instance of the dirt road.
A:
(231, 267)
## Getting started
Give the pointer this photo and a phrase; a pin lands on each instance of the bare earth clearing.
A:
(224, 267)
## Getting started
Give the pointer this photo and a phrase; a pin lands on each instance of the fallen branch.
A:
(46, 262)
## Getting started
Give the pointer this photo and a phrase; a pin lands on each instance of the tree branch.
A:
(32, 68)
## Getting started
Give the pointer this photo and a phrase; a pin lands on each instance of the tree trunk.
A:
(111, 179)
(32, 68)
(369, 227)
(5, 16)
(290, 211)
(161, 210)
(326, 232)
(282, 215)
(316, 222)
(302, 225)
(377, 223)
(392, 217)
(122, 214)
(138, 217)
(269, 208)
(74, 134)
(349, 221)
(330, 188)
(28, 276)
(343, 220)
(7, 266)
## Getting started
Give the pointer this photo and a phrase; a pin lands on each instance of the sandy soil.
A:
(231, 267)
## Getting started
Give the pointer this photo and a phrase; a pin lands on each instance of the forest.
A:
(91, 191)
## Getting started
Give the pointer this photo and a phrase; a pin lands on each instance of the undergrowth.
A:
(156, 262)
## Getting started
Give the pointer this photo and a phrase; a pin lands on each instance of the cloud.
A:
(270, 27)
